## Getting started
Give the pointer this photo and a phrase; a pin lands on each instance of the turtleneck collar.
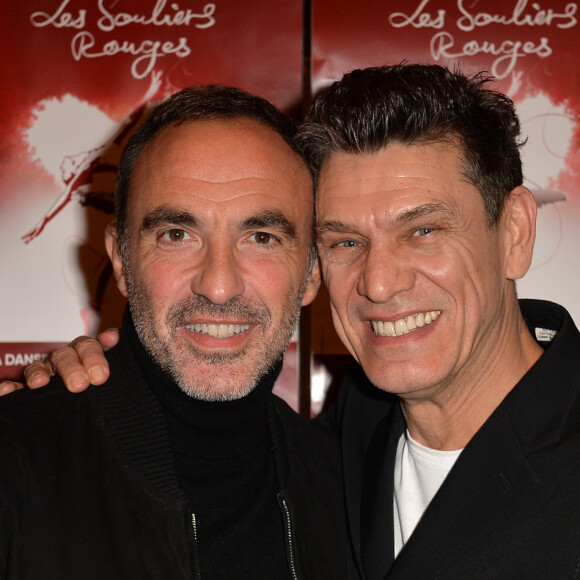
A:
(208, 428)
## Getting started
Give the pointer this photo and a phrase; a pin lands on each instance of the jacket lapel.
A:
(376, 525)
(491, 482)
(361, 409)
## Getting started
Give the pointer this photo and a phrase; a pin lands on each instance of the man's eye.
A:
(264, 238)
(347, 244)
(175, 235)
(423, 231)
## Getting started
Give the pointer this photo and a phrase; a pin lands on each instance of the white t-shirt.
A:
(419, 472)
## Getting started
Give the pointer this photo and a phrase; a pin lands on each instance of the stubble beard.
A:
(212, 376)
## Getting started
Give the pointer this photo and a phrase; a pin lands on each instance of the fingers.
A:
(109, 338)
(9, 387)
(67, 364)
(81, 363)
(38, 374)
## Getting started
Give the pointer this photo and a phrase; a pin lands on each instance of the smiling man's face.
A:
(219, 222)
(417, 279)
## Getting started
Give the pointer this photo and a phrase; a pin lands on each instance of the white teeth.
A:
(401, 327)
(389, 329)
(218, 330)
(404, 325)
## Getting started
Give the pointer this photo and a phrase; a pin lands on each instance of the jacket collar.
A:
(491, 481)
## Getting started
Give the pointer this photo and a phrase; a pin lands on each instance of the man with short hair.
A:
(465, 461)
(184, 465)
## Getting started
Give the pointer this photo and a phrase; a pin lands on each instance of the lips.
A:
(217, 330)
(404, 325)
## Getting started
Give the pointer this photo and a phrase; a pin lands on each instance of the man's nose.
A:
(386, 273)
(219, 278)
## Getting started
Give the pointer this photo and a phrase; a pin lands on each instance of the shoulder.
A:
(305, 440)
(297, 425)
(33, 423)
(30, 406)
(360, 405)
(40, 431)
(549, 323)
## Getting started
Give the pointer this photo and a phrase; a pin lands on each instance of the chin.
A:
(208, 386)
(398, 382)
(212, 394)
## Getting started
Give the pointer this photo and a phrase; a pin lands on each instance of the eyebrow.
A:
(423, 210)
(272, 220)
(333, 226)
(163, 216)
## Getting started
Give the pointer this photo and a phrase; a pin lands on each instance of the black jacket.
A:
(509, 508)
(88, 487)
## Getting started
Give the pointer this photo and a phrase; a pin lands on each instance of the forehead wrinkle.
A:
(202, 176)
(218, 191)
(390, 174)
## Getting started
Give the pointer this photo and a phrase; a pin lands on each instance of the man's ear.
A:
(519, 221)
(112, 246)
(313, 284)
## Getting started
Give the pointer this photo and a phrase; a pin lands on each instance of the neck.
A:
(450, 414)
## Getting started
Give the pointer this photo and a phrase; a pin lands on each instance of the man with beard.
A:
(183, 464)
(465, 461)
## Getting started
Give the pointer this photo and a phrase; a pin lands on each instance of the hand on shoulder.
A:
(80, 364)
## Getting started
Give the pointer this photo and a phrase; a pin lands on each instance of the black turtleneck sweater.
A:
(226, 467)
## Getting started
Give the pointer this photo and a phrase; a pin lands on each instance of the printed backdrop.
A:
(76, 76)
